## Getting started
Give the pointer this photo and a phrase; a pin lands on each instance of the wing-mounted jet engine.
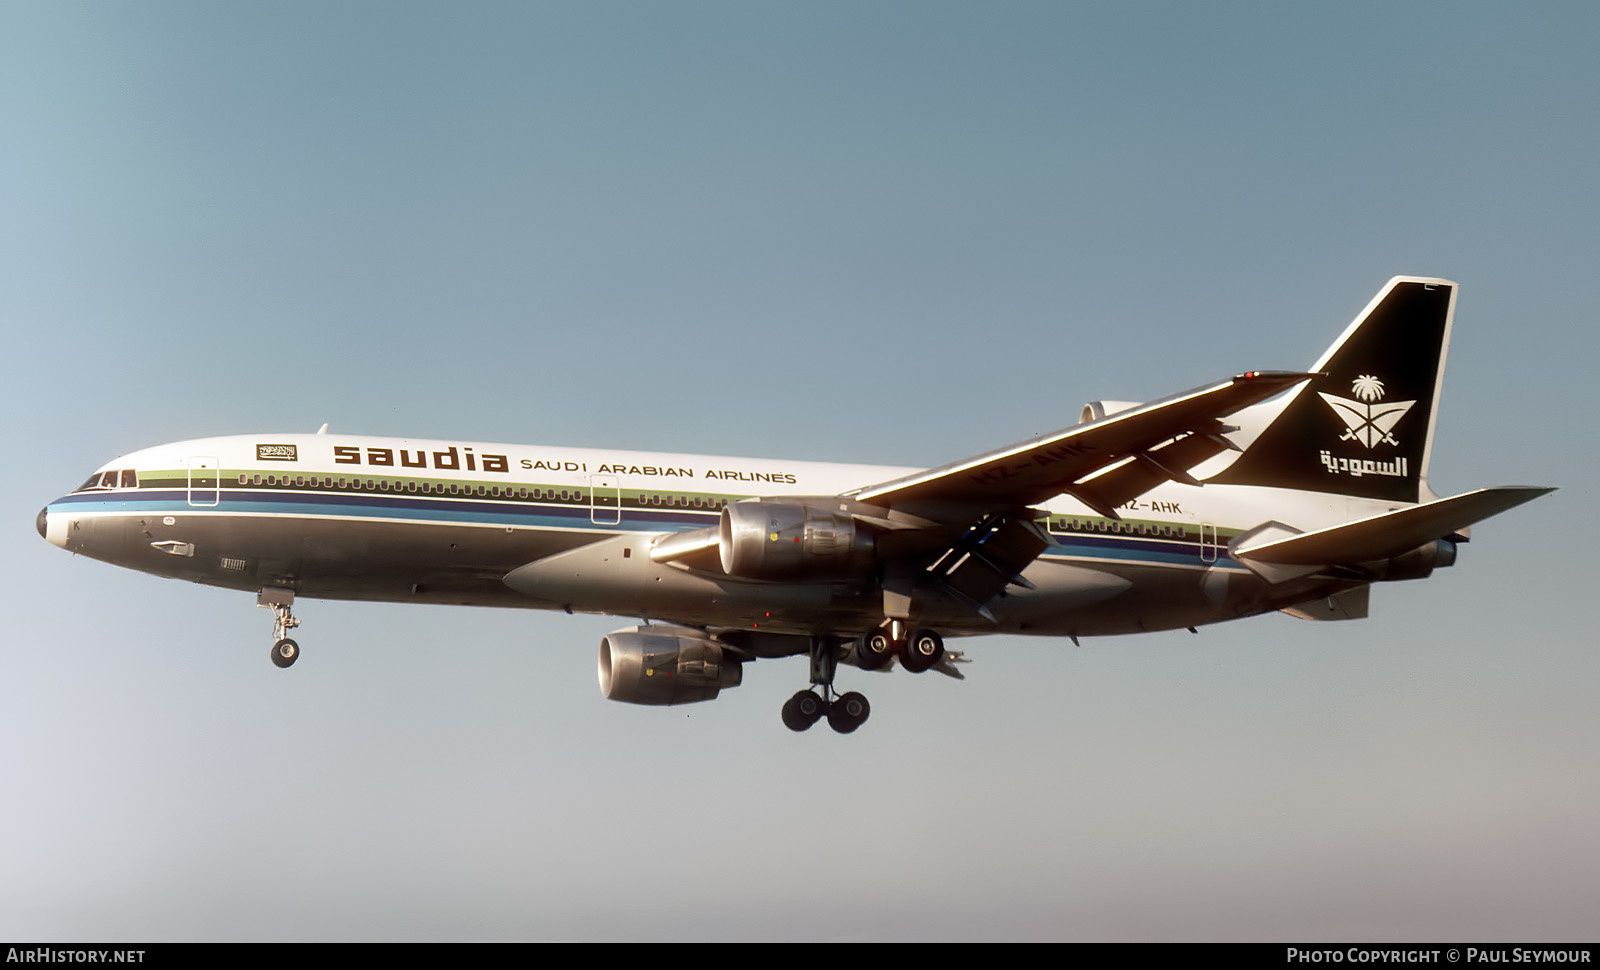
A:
(772, 540)
(665, 665)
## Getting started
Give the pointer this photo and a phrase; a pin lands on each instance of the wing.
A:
(965, 531)
(1159, 438)
(976, 532)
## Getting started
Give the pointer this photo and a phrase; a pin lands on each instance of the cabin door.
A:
(605, 500)
(205, 487)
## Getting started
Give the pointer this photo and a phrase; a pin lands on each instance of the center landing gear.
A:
(284, 650)
(918, 652)
(924, 649)
(845, 712)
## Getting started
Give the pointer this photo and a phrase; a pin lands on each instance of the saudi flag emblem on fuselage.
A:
(1368, 420)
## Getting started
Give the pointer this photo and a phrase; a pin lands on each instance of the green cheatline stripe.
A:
(1100, 525)
(633, 498)
(465, 488)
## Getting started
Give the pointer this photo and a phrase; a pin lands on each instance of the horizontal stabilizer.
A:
(1391, 533)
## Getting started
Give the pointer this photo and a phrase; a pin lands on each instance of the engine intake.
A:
(1095, 410)
(781, 540)
(664, 665)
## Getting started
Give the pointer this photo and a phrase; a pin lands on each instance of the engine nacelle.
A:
(664, 665)
(1095, 410)
(767, 539)
(1420, 562)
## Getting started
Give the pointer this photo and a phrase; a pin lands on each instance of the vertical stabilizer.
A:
(1365, 426)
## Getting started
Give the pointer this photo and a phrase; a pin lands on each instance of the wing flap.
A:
(990, 557)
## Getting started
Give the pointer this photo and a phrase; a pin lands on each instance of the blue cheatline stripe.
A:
(1133, 549)
(503, 512)
(513, 513)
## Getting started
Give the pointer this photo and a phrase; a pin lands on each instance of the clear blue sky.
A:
(881, 232)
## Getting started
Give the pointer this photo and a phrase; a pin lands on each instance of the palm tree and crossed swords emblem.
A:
(1366, 420)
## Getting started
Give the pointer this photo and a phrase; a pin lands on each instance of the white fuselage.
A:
(356, 517)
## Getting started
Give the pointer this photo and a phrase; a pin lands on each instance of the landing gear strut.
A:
(284, 650)
(844, 712)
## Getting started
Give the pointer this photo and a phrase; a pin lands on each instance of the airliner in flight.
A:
(1267, 491)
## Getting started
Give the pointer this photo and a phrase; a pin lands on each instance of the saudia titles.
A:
(462, 458)
(450, 459)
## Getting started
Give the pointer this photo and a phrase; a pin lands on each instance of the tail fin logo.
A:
(1368, 420)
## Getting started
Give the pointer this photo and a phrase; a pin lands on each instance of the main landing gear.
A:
(281, 601)
(846, 712)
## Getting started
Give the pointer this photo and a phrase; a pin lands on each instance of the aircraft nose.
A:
(53, 528)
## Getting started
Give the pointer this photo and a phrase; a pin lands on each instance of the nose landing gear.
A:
(281, 601)
(285, 652)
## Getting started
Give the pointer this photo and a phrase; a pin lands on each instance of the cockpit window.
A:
(116, 478)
